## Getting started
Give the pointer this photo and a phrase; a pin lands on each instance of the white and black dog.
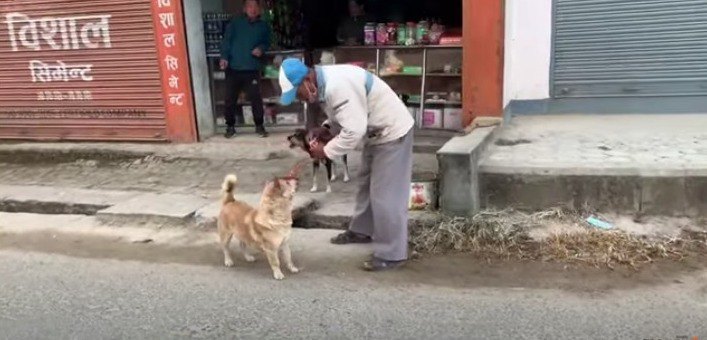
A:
(301, 139)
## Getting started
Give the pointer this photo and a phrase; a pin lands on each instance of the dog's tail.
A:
(228, 186)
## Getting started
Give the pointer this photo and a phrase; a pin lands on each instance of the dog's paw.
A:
(333, 178)
(249, 258)
(228, 263)
(328, 189)
(293, 269)
(314, 189)
(347, 179)
(278, 275)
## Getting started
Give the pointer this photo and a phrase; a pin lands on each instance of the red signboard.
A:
(174, 69)
(91, 70)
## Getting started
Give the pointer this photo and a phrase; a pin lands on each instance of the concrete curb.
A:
(665, 196)
(120, 208)
(459, 189)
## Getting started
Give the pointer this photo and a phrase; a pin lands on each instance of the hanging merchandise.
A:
(286, 23)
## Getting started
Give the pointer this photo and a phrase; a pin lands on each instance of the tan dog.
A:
(266, 228)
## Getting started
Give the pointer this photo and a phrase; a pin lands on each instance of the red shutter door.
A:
(80, 70)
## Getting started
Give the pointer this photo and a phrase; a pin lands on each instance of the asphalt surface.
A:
(49, 296)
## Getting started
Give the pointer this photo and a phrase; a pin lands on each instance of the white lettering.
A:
(176, 99)
(168, 40)
(163, 3)
(42, 72)
(96, 30)
(60, 33)
(167, 20)
(29, 27)
(172, 63)
(173, 81)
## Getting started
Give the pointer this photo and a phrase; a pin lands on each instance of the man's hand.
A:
(316, 150)
(223, 63)
(257, 52)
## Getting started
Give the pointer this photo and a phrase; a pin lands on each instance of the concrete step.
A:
(55, 200)
(119, 208)
(636, 164)
(669, 196)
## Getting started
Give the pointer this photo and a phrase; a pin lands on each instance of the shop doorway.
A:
(418, 52)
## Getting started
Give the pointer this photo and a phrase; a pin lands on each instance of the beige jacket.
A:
(377, 118)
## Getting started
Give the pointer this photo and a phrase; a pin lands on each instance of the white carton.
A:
(453, 118)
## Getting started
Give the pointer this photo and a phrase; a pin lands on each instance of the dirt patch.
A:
(561, 236)
(511, 142)
(454, 271)
(50, 157)
(52, 208)
(147, 173)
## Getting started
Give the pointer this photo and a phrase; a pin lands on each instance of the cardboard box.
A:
(285, 118)
(453, 118)
(432, 118)
(248, 115)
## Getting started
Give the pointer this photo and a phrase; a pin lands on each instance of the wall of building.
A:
(483, 41)
(198, 65)
(528, 45)
(211, 6)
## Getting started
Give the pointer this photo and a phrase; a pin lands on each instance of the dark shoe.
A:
(230, 132)
(378, 265)
(261, 131)
(349, 237)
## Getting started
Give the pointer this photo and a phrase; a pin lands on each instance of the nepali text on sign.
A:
(59, 33)
(44, 72)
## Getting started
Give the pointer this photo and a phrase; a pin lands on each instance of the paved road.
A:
(49, 296)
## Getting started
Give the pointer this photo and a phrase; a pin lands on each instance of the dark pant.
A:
(248, 82)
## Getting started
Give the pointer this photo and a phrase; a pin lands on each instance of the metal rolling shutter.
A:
(629, 48)
(123, 98)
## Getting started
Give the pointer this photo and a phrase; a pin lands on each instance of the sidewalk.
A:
(187, 173)
(642, 164)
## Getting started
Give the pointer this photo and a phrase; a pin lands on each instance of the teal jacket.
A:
(239, 40)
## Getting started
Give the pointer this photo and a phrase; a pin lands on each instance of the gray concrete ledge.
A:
(668, 196)
(459, 191)
(64, 196)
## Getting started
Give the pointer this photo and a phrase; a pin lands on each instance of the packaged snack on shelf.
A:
(422, 195)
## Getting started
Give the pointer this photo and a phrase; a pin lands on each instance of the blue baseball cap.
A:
(292, 73)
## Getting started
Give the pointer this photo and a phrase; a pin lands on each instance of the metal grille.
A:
(629, 48)
(48, 90)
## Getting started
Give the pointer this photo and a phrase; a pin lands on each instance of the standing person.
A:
(244, 43)
(367, 111)
(350, 31)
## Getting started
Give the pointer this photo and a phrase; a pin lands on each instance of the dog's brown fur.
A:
(266, 228)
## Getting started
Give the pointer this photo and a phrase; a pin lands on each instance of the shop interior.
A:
(414, 45)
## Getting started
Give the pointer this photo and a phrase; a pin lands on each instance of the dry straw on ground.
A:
(505, 234)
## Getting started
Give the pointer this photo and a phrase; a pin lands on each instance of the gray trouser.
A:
(382, 200)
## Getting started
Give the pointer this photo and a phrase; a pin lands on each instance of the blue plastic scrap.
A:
(599, 223)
